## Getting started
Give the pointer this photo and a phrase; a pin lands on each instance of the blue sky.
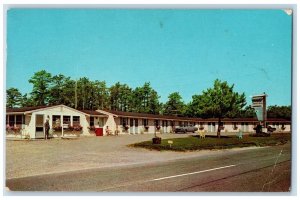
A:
(176, 50)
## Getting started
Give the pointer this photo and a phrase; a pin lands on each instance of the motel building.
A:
(28, 123)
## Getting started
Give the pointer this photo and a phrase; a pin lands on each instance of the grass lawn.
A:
(211, 142)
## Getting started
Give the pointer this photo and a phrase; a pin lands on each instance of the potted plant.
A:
(126, 127)
(77, 128)
(146, 128)
(156, 140)
(158, 127)
(92, 128)
(8, 129)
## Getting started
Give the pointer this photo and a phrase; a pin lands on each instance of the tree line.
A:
(219, 101)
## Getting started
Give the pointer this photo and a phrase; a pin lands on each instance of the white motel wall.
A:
(29, 123)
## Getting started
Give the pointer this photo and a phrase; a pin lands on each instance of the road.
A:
(253, 170)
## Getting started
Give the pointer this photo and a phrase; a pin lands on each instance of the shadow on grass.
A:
(211, 136)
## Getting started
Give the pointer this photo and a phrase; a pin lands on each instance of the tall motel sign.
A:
(259, 103)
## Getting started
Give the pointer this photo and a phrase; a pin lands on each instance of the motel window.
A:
(123, 121)
(172, 123)
(136, 122)
(92, 121)
(11, 120)
(201, 124)
(100, 121)
(66, 120)
(277, 125)
(157, 123)
(235, 125)
(56, 121)
(131, 122)
(19, 119)
(145, 122)
(76, 120)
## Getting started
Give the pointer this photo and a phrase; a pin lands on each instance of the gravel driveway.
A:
(27, 158)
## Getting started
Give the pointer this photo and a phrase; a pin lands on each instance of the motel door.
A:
(131, 128)
(211, 127)
(136, 125)
(166, 127)
(39, 126)
(245, 127)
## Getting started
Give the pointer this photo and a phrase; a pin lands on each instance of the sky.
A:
(175, 50)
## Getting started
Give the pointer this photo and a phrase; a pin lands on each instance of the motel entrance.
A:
(39, 126)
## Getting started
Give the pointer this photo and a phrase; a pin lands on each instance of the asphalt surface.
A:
(253, 170)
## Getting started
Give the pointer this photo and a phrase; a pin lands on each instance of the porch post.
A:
(62, 125)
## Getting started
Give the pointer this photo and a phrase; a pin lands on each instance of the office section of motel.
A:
(64, 120)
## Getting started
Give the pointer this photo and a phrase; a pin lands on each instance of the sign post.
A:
(259, 103)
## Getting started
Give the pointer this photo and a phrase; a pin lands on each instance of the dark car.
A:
(185, 129)
(271, 129)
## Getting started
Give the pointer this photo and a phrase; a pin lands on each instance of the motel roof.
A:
(24, 109)
(190, 119)
(92, 112)
(27, 110)
(151, 116)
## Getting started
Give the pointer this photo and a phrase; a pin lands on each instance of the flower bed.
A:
(92, 128)
(13, 130)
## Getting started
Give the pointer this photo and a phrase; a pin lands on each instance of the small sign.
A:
(170, 142)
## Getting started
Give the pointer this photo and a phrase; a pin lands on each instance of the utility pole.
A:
(76, 94)
(76, 88)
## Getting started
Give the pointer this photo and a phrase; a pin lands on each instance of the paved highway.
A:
(253, 170)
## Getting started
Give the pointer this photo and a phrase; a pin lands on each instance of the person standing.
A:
(47, 128)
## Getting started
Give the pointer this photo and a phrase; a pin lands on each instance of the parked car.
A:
(258, 130)
(185, 129)
(271, 129)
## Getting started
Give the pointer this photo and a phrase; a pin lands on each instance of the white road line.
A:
(208, 170)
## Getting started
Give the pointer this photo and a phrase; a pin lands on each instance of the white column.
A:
(50, 120)
(62, 125)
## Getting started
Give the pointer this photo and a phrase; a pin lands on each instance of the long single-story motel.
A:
(29, 123)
